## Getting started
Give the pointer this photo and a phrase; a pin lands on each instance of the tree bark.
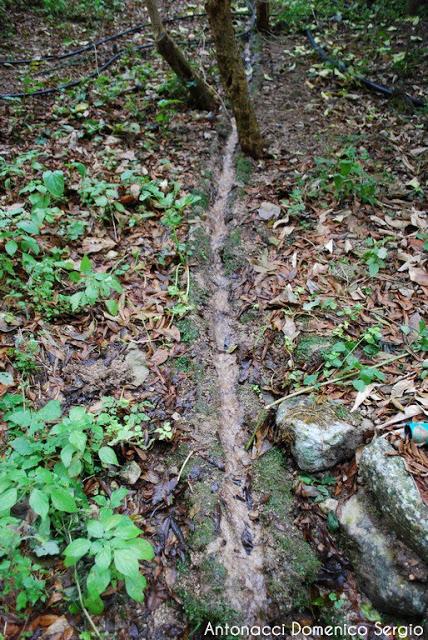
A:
(414, 5)
(201, 93)
(262, 16)
(233, 76)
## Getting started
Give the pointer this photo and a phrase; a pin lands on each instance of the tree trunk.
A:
(414, 5)
(201, 93)
(262, 16)
(232, 73)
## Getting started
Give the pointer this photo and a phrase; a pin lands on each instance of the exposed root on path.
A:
(240, 543)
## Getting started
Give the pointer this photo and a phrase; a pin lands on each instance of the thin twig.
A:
(183, 466)
(84, 609)
(346, 376)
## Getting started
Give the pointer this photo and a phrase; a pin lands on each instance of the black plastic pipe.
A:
(95, 43)
(373, 86)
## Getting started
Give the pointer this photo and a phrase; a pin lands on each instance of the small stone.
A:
(269, 210)
(320, 435)
(130, 472)
(329, 506)
(135, 360)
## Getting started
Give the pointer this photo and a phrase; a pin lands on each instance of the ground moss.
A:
(309, 350)
(203, 202)
(292, 565)
(201, 594)
(232, 256)
(199, 246)
(189, 332)
(183, 363)
(269, 477)
(203, 534)
(244, 168)
(200, 611)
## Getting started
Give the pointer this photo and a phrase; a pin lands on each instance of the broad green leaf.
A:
(62, 500)
(66, 455)
(126, 562)
(97, 581)
(108, 456)
(39, 502)
(359, 385)
(117, 496)
(22, 418)
(85, 265)
(78, 440)
(112, 307)
(23, 446)
(8, 499)
(54, 182)
(94, 605)
(142, 548)
(11, 247)
(50, 412)
(126, 529)
(103, 558)
(76, 550)
(49, 548)
(135, 586)
(75, 467)
(29, 226)
(95, 529)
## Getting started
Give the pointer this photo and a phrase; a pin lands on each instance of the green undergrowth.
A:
(50, 279)
(45, 512)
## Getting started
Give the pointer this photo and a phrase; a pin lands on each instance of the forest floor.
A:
(173, 288)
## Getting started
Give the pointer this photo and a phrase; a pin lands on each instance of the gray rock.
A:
(135, 360)
(396, 494)
(130, 472)
(269, 210)
(380, 570)
(320, 435)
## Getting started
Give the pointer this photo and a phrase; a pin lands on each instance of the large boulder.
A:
(320, 434)
(394, 579)
(396, 494)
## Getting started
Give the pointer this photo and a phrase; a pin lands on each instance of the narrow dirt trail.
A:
(240, 543)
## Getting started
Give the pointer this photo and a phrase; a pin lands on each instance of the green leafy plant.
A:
(97, 285)
(114, 545)
(48, 457)
(375, 256)
(346, 176)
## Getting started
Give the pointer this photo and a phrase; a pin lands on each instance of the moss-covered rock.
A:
(310, 349)
(396, 493)
(317, 436)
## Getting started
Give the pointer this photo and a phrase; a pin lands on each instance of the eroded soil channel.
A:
(240, 544)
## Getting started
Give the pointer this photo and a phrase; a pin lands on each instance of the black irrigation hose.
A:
(75, 83)
(96, 43)
(373, 86)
